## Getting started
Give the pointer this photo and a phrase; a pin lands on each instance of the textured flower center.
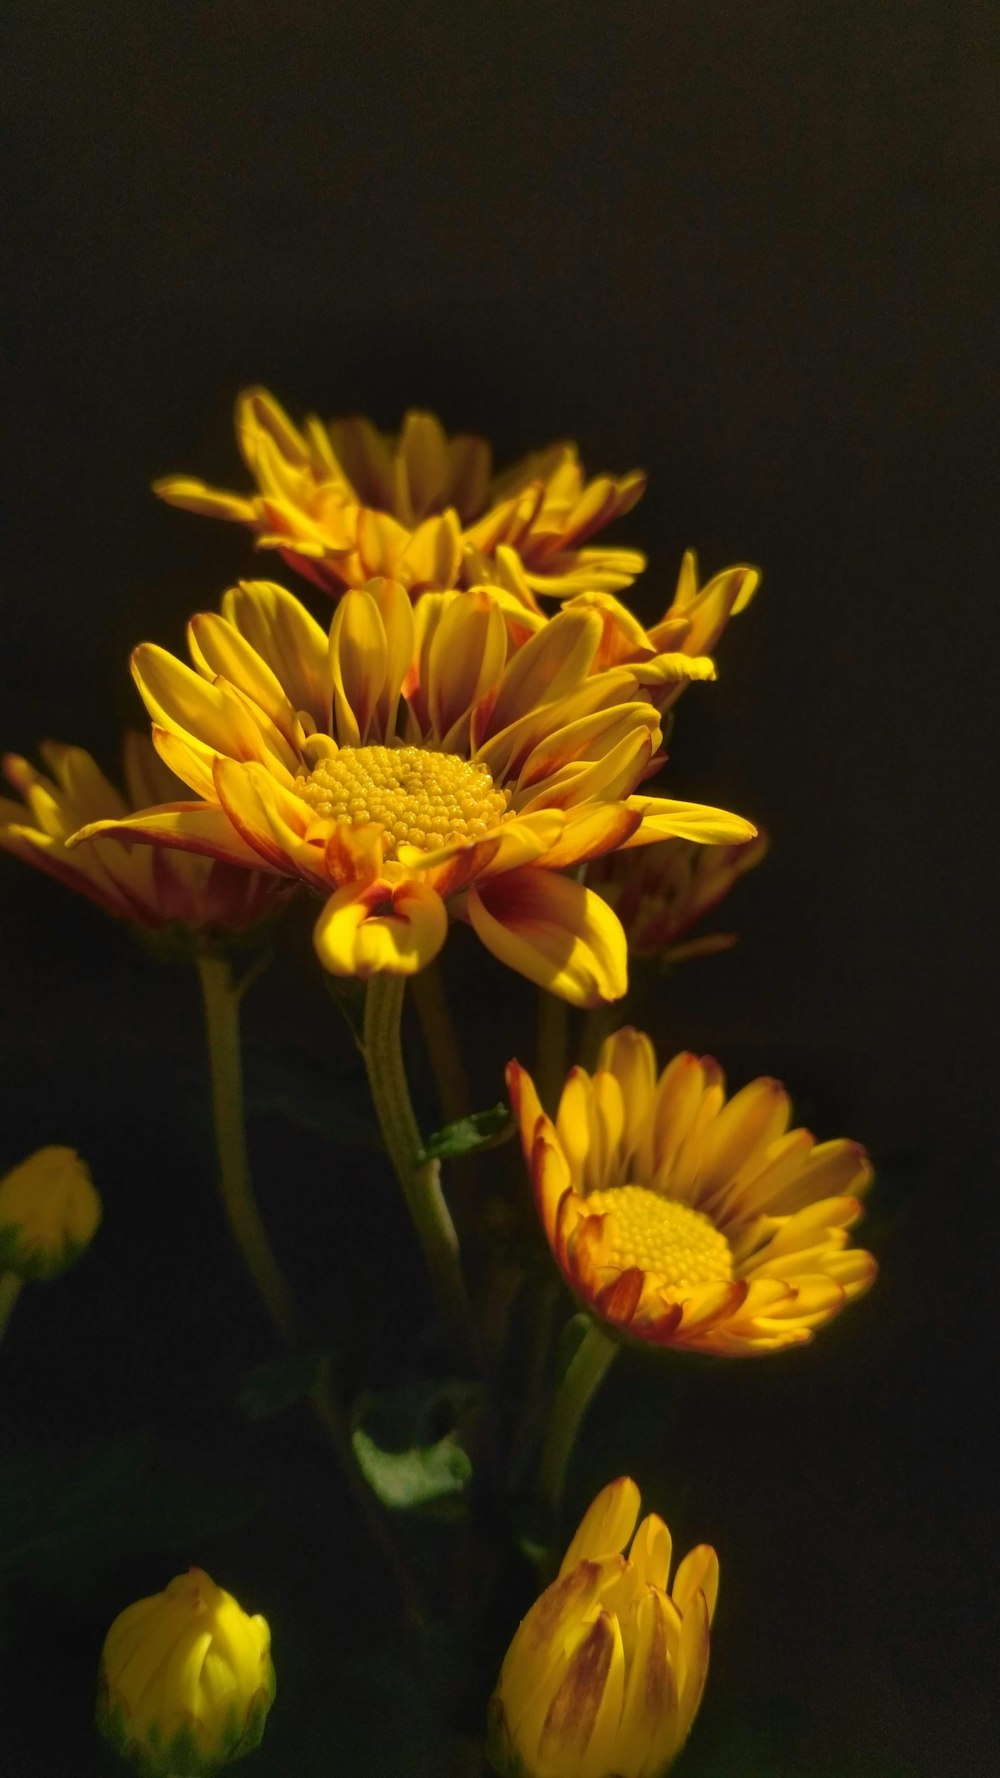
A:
(420, 798)
(679, 1244)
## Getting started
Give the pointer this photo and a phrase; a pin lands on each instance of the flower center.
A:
(420, 798)
(657, 1234)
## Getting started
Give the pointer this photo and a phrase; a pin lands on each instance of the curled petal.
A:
(556, 932)
(381, 927)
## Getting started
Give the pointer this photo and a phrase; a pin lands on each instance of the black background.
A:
(747, 247)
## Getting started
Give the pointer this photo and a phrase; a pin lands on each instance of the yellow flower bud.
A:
(605, 1674)
(186, 1680)
(49, 1211)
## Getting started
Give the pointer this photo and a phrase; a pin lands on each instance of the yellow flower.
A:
(683, 1220)
(148, 889)
(342, 503)
(49, 1213)
(186, 1680)
(605, 1675)
(407, 769)
(660, 896)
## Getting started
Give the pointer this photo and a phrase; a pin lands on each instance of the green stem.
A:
(221, 996)
(330, 1416)
(447, 1061)
(552, 1041)
(598, 1024)
(419, 1178)
(11, 1287)
(573, 1397)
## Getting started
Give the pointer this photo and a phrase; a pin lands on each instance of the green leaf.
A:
(423, 1476)
(481, 1129)
(409, 1444)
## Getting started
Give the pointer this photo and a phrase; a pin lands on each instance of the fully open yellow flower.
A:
(406, 762)
(605, 1674)
(186, 1680)
(684, 1220)
(343, 503)
(145, 888)
(660, 896)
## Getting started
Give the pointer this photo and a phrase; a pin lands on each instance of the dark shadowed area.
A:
(749, 248)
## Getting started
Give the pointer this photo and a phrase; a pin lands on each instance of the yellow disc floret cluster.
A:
(680, 1245)
(418, 797)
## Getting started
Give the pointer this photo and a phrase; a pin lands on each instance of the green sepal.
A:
(481, 1129)
(36, 1264)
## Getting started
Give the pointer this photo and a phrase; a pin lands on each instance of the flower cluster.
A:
(471, 734)
(411, 766)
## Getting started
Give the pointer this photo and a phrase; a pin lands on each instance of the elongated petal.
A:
(203, 828)
(606, 1526)
(554, 931)
(663, 819)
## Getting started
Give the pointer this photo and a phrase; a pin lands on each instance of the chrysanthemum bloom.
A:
(605, 1674)
(343, 503)
(660, 896)
(153, 890)
(407, 769)
(664, 658)
(186, 1680)
(683, 1220)
(49, 1213)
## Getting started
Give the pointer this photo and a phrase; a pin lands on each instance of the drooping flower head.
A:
(659, 896)
(49, 1213)
(605, 1674)
(408, 767)
(152, 890)
(343, 504)
(683, 1219)
(186, 1680)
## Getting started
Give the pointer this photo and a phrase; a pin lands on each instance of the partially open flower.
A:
(683, 1220)
(661, 895)
(344, 503)
(185, 1681)
(605, 1674)
(49, 1212)
(410, 769)
(156, 891)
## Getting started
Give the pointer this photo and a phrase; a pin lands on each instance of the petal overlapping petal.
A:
(685, 1219)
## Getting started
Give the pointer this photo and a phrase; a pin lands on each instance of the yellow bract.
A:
(409, 766)
(605, 1675)
(186, 1679)
(682, 1219)
(343, 503)
(49, 1213)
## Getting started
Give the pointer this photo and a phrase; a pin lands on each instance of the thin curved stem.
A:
(583, 1378)
(419, 1178)
(447, 1061)
(11, 1287)
(221, 995)
(552, 1038)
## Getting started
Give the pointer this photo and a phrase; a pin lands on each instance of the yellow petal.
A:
(398, 930)
(556, 932)
(663, 819)
(606, 1525)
